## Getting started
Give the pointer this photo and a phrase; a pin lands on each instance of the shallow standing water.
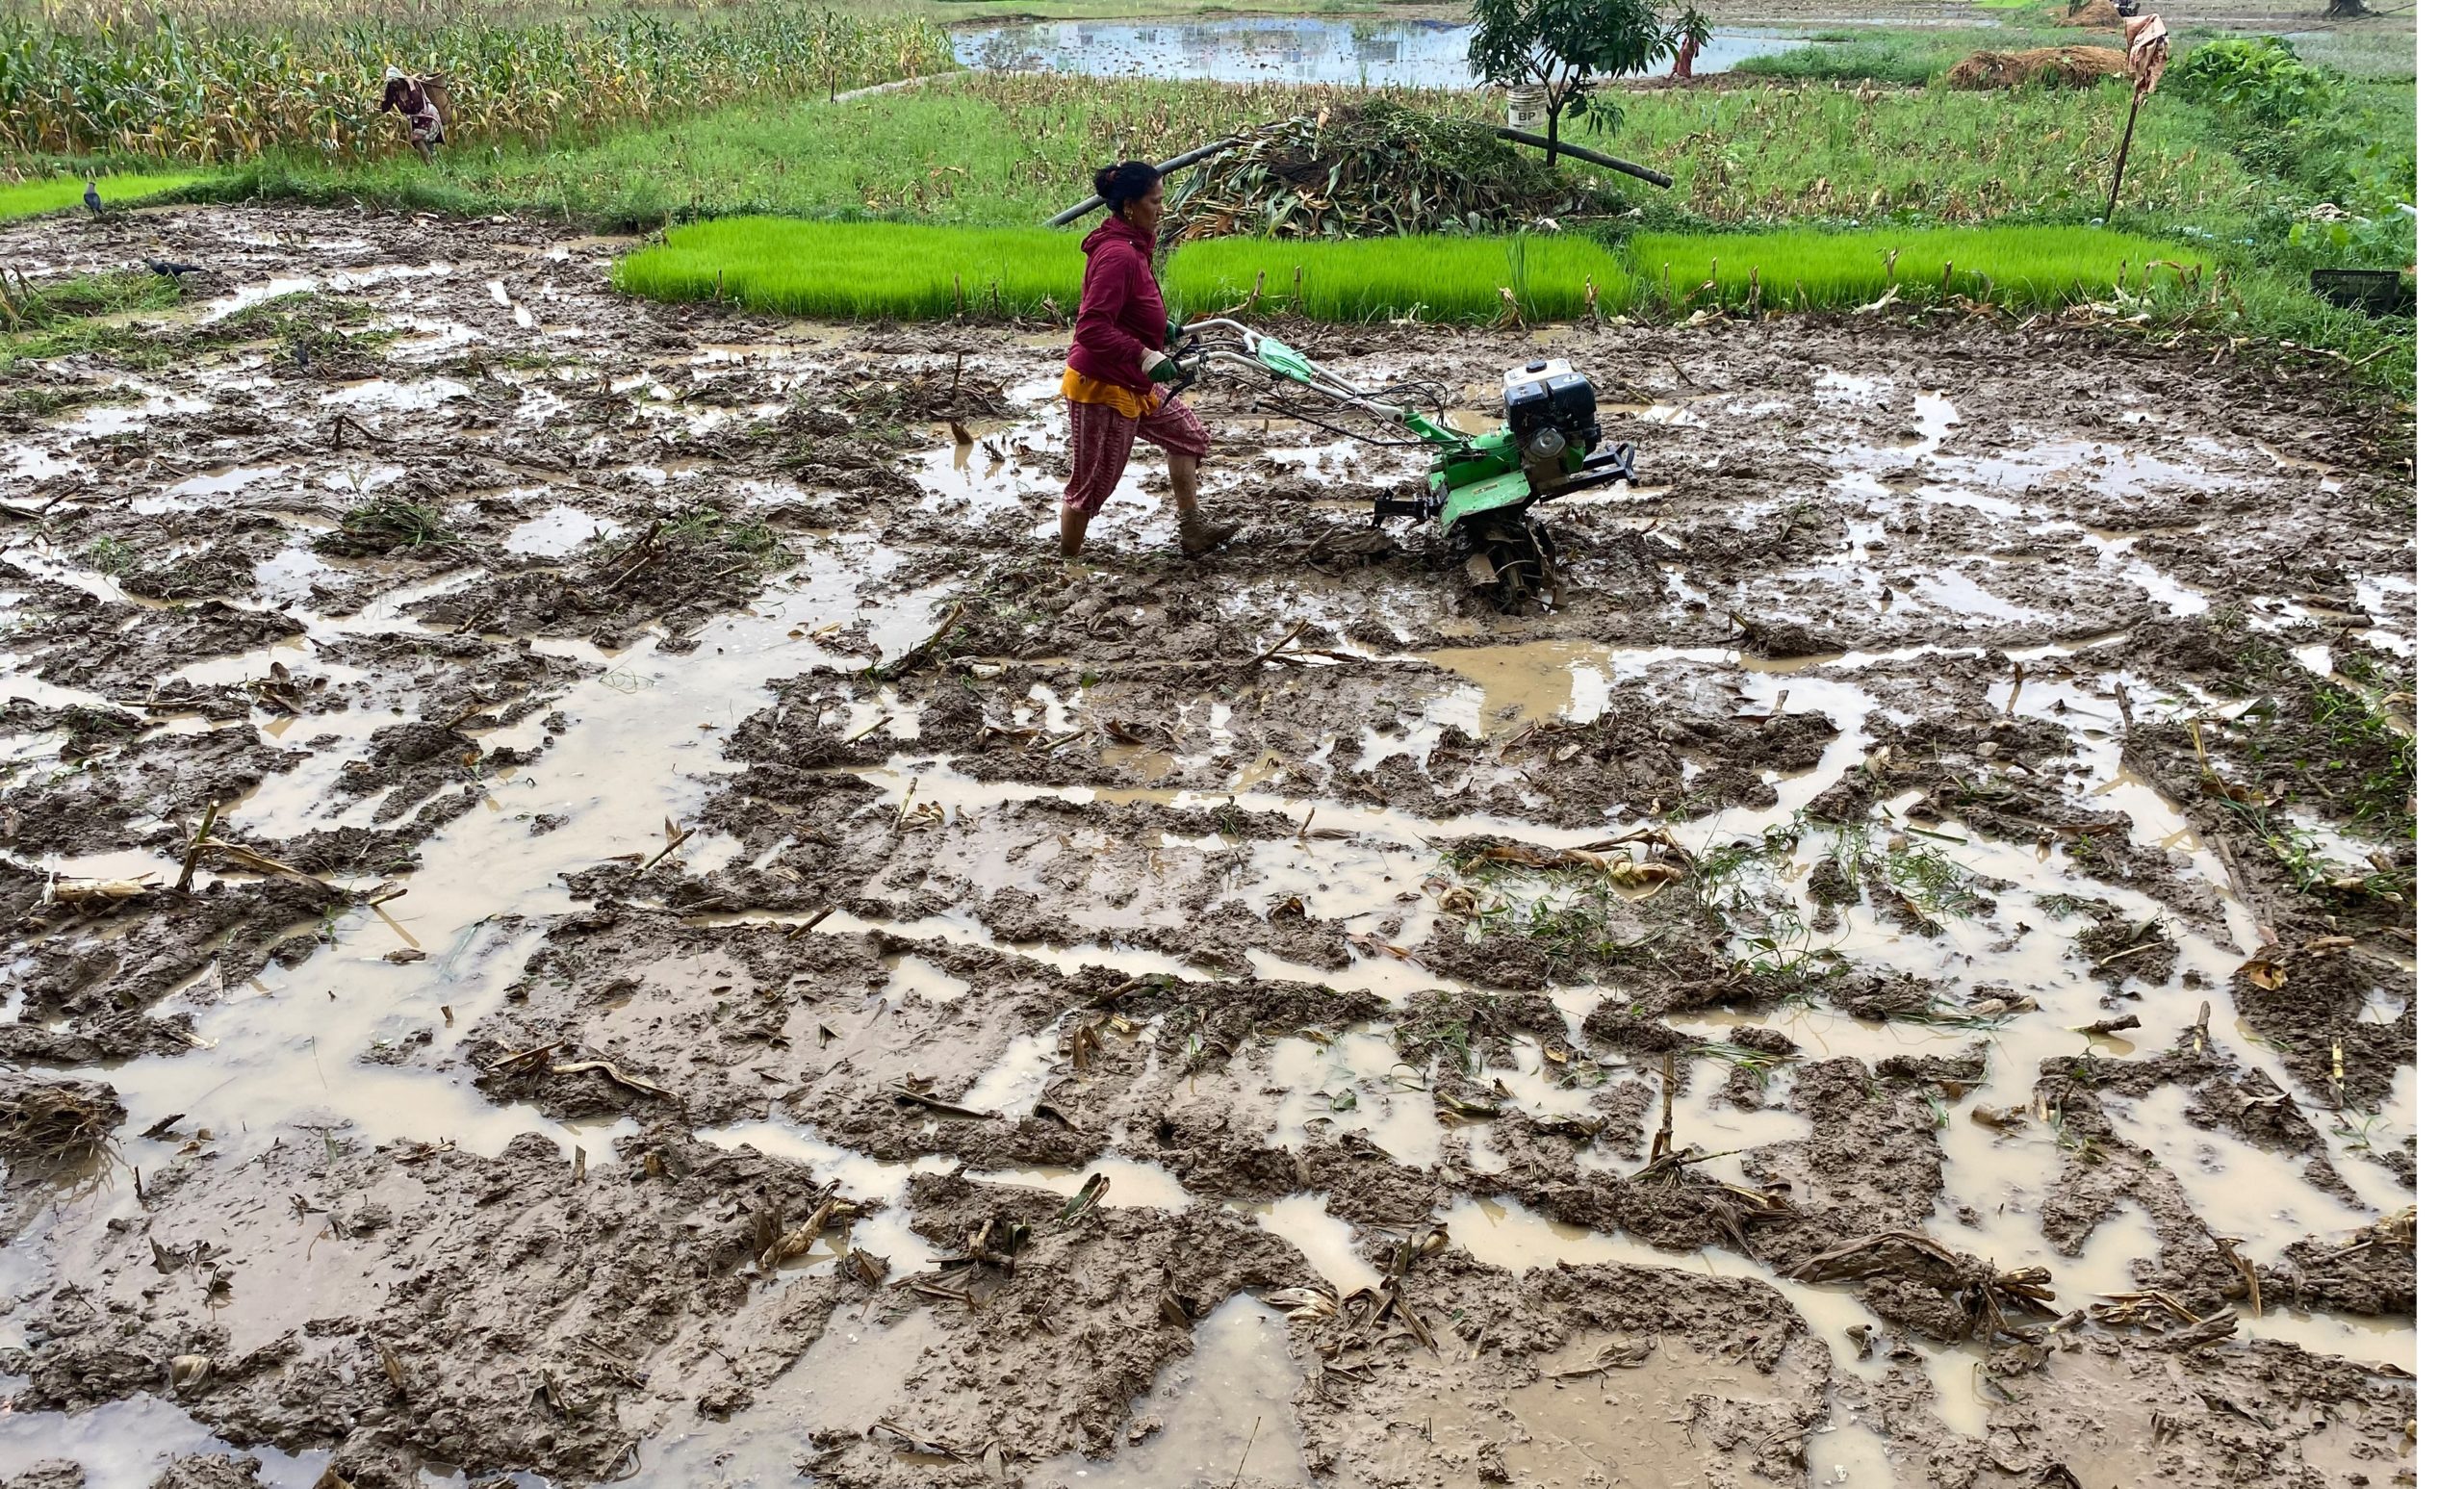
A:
(1280, 49)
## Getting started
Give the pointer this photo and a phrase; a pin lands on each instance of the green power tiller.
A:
(1482, 487)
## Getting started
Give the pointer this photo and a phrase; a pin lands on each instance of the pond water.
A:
(1279, 49)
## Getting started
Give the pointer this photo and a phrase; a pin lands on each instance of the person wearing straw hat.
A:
(415, 99)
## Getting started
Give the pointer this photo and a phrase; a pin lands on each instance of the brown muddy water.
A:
(1881, 985)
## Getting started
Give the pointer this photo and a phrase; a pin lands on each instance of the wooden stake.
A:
(2121, 156)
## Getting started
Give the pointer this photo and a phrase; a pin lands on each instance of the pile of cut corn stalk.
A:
(1372, 170)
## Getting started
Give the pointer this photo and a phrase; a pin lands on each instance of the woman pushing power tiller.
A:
(1116, 357)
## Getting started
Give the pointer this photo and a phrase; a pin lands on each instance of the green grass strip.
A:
(28, 198)
(859, 271)
(2029, 268)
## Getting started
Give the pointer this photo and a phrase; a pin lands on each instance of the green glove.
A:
(1165, 370)
(1172, 329)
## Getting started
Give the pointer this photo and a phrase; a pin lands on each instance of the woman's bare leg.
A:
(1073, 530)
(1184, 474)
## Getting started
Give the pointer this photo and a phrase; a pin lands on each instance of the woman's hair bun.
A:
(1126, 182)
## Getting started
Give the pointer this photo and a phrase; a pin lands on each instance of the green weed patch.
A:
(2033, 268)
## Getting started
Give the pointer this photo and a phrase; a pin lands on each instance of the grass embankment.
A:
(26, 198)
(1910, 58)
(906, 271)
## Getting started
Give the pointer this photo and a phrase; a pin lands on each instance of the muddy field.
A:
(709, 956)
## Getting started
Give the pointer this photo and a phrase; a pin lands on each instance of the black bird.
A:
(93, 199)
(168, 269)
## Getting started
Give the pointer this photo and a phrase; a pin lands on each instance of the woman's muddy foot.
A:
(1199, 537)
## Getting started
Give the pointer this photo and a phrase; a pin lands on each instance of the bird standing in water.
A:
(93, 198)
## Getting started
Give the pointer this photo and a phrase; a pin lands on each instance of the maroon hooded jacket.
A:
(1121, 312)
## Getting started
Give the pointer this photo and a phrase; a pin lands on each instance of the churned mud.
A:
(588, 901)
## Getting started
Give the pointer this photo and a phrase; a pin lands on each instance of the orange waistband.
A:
(1078, 388)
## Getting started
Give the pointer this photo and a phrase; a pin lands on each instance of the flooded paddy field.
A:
(1380, 52)
(588, 901)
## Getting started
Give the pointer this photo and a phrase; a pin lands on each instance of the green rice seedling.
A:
(57, 193)
(861, 271)
(111, 556)
(384, 523)
(1941, 1014)
(1757, 1064)
(1452, 279)
(2062, 907)
(2033, 267)
(756, 540)
(1931, 882)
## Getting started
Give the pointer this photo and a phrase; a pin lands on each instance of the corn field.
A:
(168, 89)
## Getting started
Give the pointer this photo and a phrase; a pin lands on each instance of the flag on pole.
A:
(2145, 51)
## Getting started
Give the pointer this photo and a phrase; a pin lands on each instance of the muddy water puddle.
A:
(128, 1444)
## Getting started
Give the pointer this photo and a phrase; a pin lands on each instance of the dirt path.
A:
(637, 1015)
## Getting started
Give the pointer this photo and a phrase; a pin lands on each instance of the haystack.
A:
(2089, 15)
(2063, 67)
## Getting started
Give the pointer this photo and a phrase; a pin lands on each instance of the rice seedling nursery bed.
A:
(871, 271)
(2031, 268)
(860, 270)
(55, 193)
